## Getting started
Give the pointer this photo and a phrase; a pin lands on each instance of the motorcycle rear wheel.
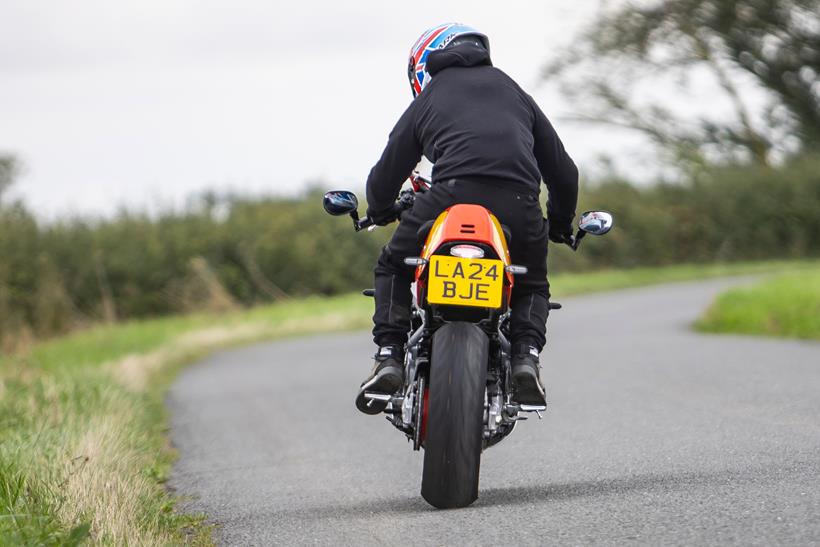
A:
(455, 420)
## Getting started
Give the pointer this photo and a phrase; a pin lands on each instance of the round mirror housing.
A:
(596, 222)
(340, 202)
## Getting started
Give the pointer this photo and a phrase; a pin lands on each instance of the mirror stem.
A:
(578, 237)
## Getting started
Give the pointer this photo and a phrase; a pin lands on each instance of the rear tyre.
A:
(455, 419)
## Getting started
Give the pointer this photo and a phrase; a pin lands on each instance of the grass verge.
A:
(84, 451)
(609, 280)
(787, 305)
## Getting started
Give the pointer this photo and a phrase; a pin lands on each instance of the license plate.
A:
(465, 281)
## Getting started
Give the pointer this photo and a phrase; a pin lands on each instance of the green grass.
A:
(83, 430)
(565, 284)
(84, 451)
(787, 305)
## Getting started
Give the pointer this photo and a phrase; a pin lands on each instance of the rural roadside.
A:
(85, 451)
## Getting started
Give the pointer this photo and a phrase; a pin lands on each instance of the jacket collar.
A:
(463, 55)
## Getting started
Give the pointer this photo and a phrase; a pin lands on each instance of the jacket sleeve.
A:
(557, 169)
(400, 156)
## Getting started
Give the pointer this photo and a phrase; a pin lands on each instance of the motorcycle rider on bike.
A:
(491, 145)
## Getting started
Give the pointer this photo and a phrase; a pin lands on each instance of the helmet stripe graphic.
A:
(435, 31)
(434, 38)
(418, 52)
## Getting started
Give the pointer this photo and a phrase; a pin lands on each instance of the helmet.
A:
(438, 37)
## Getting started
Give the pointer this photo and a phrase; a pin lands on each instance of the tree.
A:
(763, 56)
(8, 171)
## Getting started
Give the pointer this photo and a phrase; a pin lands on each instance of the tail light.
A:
(467, 251)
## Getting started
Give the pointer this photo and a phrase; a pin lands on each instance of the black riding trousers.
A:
(517, 208)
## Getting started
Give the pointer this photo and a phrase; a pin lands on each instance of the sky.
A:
(145, 103)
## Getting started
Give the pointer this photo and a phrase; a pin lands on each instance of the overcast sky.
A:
(142, 103)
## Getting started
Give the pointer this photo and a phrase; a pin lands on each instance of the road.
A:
(654, 435)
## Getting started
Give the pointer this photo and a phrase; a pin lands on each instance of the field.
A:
(84, 451)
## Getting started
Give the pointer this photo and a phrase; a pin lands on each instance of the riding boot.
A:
(526, 377)
(387, 378)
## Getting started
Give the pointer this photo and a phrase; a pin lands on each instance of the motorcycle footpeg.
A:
(395, 402)
(532, 408)
(513, 410)
(538, 409)
(377, 396)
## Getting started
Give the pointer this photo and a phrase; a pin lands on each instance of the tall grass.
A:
(84, 450)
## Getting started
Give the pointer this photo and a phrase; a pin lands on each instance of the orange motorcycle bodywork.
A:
(467, 223)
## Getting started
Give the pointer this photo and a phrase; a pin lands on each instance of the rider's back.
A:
(474, 121)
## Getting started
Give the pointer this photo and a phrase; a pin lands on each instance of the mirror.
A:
(340, 202)
(596, 222)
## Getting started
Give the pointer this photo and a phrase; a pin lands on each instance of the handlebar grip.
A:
(404, 203)
(361, 224)
(400, 208)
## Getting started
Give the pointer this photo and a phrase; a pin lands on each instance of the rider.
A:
(491, 145)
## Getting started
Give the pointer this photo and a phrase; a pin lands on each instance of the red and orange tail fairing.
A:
(465, 222)
(468, 223)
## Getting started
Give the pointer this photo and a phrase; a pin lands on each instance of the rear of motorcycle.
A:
(457, 364)
(457, 399)
(463, 284)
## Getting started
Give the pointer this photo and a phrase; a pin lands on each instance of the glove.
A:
(560, 231)
(383, 217)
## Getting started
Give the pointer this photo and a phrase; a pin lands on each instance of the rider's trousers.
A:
(516, 208)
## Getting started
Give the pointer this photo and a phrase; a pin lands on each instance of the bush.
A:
(56, 276)
(219, 254)
(723, 214)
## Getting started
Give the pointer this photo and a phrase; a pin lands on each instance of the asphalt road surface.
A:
(654, 435)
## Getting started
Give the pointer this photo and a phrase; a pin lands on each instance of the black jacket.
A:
(474, 122)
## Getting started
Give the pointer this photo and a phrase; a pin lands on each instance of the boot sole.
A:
(528, 391)
(387, 381)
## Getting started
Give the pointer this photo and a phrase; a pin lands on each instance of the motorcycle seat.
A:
(424, 231)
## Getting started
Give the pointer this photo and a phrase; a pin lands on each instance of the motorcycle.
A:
(457, 399)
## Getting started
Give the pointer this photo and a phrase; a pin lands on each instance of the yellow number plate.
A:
(465, 281)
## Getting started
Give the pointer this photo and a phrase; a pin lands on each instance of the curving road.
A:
(655, 435)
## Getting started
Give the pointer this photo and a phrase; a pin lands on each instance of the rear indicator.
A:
(467, 251)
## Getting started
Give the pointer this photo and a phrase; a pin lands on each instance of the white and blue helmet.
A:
(438, 37)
